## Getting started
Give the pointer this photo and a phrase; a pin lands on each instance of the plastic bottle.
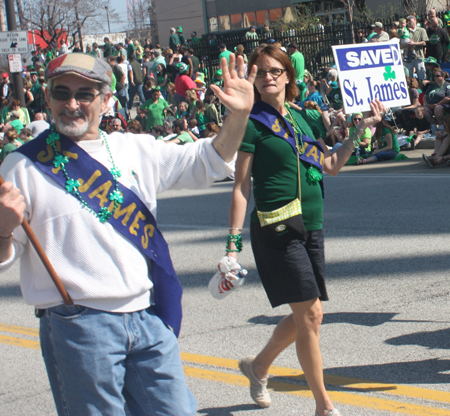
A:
(228, 278)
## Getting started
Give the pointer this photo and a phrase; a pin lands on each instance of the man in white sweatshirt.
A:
(91, 201)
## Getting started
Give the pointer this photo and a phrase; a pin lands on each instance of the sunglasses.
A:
(80, 96)
(357, 119)
(274, 72)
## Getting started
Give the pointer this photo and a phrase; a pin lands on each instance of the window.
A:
(274, 14)
(262, 18)
(249, 19)
(224, 22)
(236, 21)
(289, 14)
(213, 24)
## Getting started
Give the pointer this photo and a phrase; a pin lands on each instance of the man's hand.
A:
(11, 209)
(237, 94)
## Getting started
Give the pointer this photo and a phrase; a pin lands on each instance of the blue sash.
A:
(271, 118)
(131, 218)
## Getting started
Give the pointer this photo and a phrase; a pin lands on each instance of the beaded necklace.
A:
(296, 127)
(313, 175)
(59, 161)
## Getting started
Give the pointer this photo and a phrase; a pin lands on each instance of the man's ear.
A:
(106, 99)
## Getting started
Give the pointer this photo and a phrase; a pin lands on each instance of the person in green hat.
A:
(431, 66)
(217, 79)
(181, 36)
(183, 83)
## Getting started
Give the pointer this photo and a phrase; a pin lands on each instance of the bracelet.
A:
(356, 141)
(235, 229)
(9, 236)
(345, 144)
(237, 240)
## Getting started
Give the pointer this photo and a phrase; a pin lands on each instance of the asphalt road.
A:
(386, 333)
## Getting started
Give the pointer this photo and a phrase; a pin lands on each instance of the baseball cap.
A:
(80, 64)
(5, 75)
(222, 46)
(181, 67)
(378, 24)
(411, 16)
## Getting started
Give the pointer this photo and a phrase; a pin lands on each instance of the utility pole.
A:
(12, 27)
(79, 28)
(107, 16)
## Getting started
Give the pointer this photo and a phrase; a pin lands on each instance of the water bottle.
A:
(228, 278)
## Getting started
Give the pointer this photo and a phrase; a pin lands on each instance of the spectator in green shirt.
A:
(224, 53)
(183, 134)
(107, 49)
(298, 61)
(131, 50)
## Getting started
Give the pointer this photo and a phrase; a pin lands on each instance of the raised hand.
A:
(237, 94)
(370, 118)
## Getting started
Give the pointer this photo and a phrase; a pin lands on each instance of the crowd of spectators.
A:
(168, 87)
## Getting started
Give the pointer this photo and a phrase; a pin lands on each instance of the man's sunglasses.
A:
(80, 96)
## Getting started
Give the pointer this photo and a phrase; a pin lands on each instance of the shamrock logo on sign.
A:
(389, 75)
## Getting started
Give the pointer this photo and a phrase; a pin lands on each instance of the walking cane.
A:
(46, 262)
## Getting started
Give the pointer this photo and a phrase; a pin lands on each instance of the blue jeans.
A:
(385, 155)
(96, 361)
(122, 96)
(132, 91)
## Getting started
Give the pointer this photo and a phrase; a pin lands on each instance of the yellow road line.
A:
(351, 399)
(353, 383)
(19, 330)
(19, 342)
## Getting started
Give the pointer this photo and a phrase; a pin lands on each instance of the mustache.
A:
(76, 113)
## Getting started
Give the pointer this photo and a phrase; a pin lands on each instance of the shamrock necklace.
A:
(72, 185)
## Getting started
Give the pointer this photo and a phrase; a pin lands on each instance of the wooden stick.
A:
(45, 261)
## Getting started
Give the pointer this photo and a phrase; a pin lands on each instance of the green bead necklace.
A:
(313, 175)
(72, 185)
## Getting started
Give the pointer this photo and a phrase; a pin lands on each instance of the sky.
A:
(121, 8)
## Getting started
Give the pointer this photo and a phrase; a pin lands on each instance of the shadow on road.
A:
(228, 410)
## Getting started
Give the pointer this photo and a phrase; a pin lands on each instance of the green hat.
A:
(431, 61)
(181, 67)
(357, 114)
(17, 125)
(219, 72)
(180, 29)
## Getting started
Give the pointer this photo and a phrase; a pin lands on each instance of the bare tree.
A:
(54, 17)
(22, 20)
(349, 6)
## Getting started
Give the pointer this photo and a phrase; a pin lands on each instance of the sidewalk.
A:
(414, 165)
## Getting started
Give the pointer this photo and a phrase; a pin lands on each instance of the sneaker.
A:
(258, 386)
(429, 160)
(413, 143)
(333, 412)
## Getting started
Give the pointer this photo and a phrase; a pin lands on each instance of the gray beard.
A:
(72, 129)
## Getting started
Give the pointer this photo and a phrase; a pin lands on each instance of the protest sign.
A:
(370, 71)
